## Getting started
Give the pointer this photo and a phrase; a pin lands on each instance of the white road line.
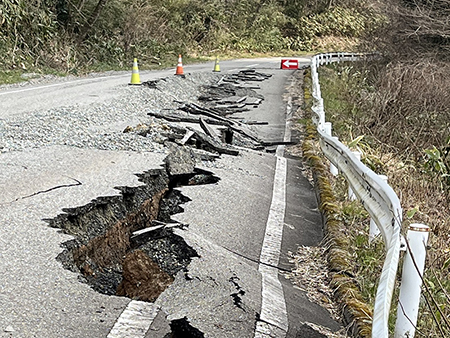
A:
(96, 79)
(274, 320)
(273, 308)
(135, 320)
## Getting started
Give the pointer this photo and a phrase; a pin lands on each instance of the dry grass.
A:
(410, 108)
(311, 276)
(403, 109)
(338, 43)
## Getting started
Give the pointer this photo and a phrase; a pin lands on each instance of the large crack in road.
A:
(125, 245)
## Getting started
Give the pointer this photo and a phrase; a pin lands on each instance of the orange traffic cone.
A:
(179, 70)
(135, 79)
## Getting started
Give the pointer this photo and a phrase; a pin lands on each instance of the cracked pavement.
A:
(220, 291)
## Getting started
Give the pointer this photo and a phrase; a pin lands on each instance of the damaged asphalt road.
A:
(150, 222)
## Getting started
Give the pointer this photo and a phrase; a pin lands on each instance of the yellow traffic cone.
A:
(135, 79)
(179, 70)
(216, 65)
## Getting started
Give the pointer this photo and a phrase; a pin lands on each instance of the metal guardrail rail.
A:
(377, 197)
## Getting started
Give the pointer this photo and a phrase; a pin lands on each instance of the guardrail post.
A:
(336, 172)
(412, 277)
(317, 94)
(328, 128)
(319, 119)
(321, 114)
(351, 194)
(373, 230)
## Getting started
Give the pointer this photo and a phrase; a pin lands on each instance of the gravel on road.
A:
(101, 126)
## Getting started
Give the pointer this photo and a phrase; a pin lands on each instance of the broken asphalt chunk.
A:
(208, 130)
(208, 143)
(180, 161)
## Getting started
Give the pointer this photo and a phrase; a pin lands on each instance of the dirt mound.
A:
(143, 279)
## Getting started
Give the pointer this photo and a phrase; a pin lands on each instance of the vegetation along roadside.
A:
(78, 36)
(396, 111)
(416, 175)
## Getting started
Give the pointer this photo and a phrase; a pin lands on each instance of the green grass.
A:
(11, 76)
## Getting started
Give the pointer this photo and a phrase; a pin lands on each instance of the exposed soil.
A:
(142, 277)
(110, 249)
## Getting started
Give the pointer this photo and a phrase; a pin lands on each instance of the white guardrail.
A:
(383, 205)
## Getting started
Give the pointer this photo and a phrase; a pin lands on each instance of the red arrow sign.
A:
(289, 64)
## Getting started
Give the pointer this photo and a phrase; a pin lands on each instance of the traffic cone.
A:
(216, 65)
(179, 70)
(135, 79)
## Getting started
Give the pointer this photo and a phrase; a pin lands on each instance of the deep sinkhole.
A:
(113, 253)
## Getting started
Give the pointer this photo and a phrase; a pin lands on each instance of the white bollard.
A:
(374, 231)
(328, 128)
(413, 266)
(337, 170)
(351, 194)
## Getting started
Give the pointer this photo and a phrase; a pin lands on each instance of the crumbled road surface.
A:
(163, 210)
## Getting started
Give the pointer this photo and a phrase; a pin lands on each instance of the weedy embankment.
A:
(396, 115)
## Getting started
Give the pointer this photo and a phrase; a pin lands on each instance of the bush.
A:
(337, 21)
(401, 109)
(26, 27)
(76, 34)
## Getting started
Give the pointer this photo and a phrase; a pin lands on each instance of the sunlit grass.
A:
(422, 198)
